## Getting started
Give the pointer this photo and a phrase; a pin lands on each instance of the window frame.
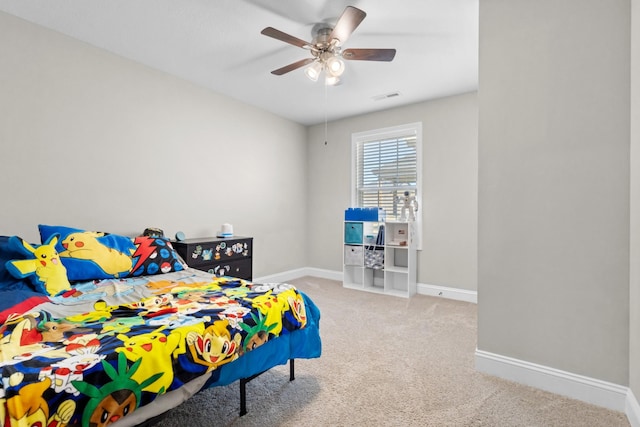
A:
(412, 129)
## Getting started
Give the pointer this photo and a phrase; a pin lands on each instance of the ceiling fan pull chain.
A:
(325, 114)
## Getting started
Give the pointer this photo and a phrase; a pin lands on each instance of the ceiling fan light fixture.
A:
(313, 71)
(335, 66)
(331, 80)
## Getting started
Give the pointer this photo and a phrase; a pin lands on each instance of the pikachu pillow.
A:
(42, 265)
(91, 255)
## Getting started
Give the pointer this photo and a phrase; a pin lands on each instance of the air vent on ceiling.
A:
(386, 96)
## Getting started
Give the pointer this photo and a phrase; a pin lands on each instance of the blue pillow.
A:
(91, 255)
(7, 281)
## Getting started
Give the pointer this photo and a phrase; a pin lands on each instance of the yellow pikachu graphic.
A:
(154, 349)
(85, 245)
(45, 264)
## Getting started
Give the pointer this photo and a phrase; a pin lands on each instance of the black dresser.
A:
(222, 256)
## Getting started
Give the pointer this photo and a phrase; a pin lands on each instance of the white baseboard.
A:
(632, 409)
(449, 293)
(324, 274)
(300, 272)
(422, 288)
(590, 390)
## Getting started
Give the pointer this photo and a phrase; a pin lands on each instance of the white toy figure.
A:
(409, 203)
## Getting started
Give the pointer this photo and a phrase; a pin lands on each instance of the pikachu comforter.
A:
(110, 348)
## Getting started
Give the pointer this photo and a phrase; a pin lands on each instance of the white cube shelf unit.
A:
(388, 268)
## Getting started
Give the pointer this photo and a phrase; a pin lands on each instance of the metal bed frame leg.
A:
(244, 381)
(243, 396)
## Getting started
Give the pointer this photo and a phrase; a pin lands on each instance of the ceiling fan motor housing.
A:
(321, 39)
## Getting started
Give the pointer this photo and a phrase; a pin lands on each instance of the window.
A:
(386, 163)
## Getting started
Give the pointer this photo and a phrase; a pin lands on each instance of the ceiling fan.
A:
(326, 48)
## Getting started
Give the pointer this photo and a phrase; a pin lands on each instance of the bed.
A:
(128, 345)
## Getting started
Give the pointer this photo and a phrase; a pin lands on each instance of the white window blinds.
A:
(386, 165)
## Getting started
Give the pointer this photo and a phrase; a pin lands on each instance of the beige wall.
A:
(553, 252)
(92, 140)
(634, 300)
(449, 205)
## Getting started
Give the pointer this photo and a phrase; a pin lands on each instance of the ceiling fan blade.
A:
(369, 54)
(347, 23)
(279, 35)
(291, 67)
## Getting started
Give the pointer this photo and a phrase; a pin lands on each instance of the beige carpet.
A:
(388, 361)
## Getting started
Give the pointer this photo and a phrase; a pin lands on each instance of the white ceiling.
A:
(217, 44)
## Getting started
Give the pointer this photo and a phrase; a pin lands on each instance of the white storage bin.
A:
(353, 255)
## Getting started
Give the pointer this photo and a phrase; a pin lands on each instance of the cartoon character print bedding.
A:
(94, 355)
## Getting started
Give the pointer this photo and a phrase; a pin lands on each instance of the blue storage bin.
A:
(353, 232)
(365, 214)
(350, 215)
